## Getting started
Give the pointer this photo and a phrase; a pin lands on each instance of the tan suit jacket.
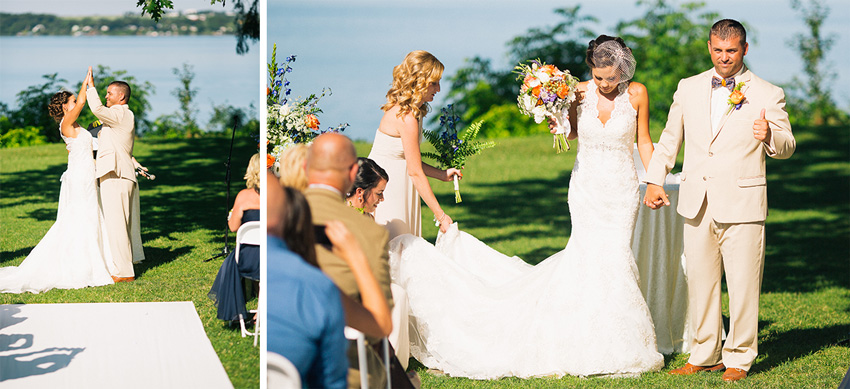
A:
(326, 205)
(727, 169)
(115, 140)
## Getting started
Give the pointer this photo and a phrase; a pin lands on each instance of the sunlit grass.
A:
(183, 215)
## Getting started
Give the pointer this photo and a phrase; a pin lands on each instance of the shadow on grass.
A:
(527, 202)
(187, 195)
(37, 185)
(808, 230)
(797, 343)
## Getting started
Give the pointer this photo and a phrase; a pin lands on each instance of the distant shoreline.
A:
(188, 23)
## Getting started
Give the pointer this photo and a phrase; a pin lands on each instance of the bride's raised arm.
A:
(71, 116)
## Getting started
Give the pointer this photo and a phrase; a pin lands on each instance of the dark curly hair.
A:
(54, 108)
(368, 176)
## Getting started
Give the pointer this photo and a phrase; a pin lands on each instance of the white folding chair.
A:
(248, 233)
(282, 374)
(353, 334)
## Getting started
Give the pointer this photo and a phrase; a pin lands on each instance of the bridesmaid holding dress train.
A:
(396, 147)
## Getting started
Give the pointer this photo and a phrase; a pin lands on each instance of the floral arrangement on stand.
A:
(452, 150)
(547, 91)
(290, 120)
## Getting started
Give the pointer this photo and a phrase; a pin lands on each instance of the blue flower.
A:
(291, 58)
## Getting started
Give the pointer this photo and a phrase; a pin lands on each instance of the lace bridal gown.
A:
(73, 253)
(477, 313)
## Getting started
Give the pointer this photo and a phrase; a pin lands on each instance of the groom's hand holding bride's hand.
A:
(655, 197)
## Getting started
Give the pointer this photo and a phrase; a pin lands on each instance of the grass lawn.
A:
(514, 199)
(183, 219)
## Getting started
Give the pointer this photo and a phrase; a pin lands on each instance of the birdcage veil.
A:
(612, 53)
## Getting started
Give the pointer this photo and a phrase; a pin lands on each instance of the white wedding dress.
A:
(477, 313)
(74, 253)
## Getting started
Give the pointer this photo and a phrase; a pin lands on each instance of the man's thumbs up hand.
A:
(761, 129)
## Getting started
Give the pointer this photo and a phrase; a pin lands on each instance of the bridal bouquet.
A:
(546, 91)
(452, 150)
(290, 121)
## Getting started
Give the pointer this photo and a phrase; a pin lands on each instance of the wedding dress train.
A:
(477, 313)
(73, 254)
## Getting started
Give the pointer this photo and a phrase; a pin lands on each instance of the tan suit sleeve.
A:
(667, 148)
(111, 117)
(782, 142)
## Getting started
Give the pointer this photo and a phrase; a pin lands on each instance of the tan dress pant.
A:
(116, 196)
(710, 249)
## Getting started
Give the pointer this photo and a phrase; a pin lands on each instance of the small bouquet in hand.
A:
(546, 91)
(453, 150)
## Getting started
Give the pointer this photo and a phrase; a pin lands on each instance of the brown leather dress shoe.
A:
(734, 374)
(122, 279)
(689, 369)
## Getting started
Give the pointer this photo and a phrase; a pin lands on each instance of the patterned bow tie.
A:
(729, 83)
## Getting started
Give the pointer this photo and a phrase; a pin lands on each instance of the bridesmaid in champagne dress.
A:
(396, 147)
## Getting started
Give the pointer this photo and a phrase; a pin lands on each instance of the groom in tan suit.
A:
(115, 171)
(723, 195)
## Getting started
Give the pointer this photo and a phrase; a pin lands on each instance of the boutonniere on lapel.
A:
(736, 99)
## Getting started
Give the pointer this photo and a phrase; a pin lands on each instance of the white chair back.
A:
(353, 334)
(282, 374)
(248, 233)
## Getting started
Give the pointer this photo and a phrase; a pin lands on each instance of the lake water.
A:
(221, 76)
(351, 47)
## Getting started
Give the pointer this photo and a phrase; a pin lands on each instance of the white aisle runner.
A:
(107, 345)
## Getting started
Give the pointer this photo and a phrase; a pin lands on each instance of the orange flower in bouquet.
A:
(312, 121)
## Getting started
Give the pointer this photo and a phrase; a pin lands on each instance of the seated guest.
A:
(331, 171)
(292, 167)
(368, 189)
(364, 196)
(227, 290)
(293, 322)
(305, 316)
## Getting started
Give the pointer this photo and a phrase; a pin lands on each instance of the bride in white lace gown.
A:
(477, 313)
(73, 253)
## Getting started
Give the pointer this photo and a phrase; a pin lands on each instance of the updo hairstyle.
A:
(54, 108)
(608, 51)
(368, 176)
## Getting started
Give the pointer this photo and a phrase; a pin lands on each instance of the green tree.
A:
(669, 44)
(227, 117)
(185, 95)
(32, 111)
(810, 102)
(247, 18)
(482, 92)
